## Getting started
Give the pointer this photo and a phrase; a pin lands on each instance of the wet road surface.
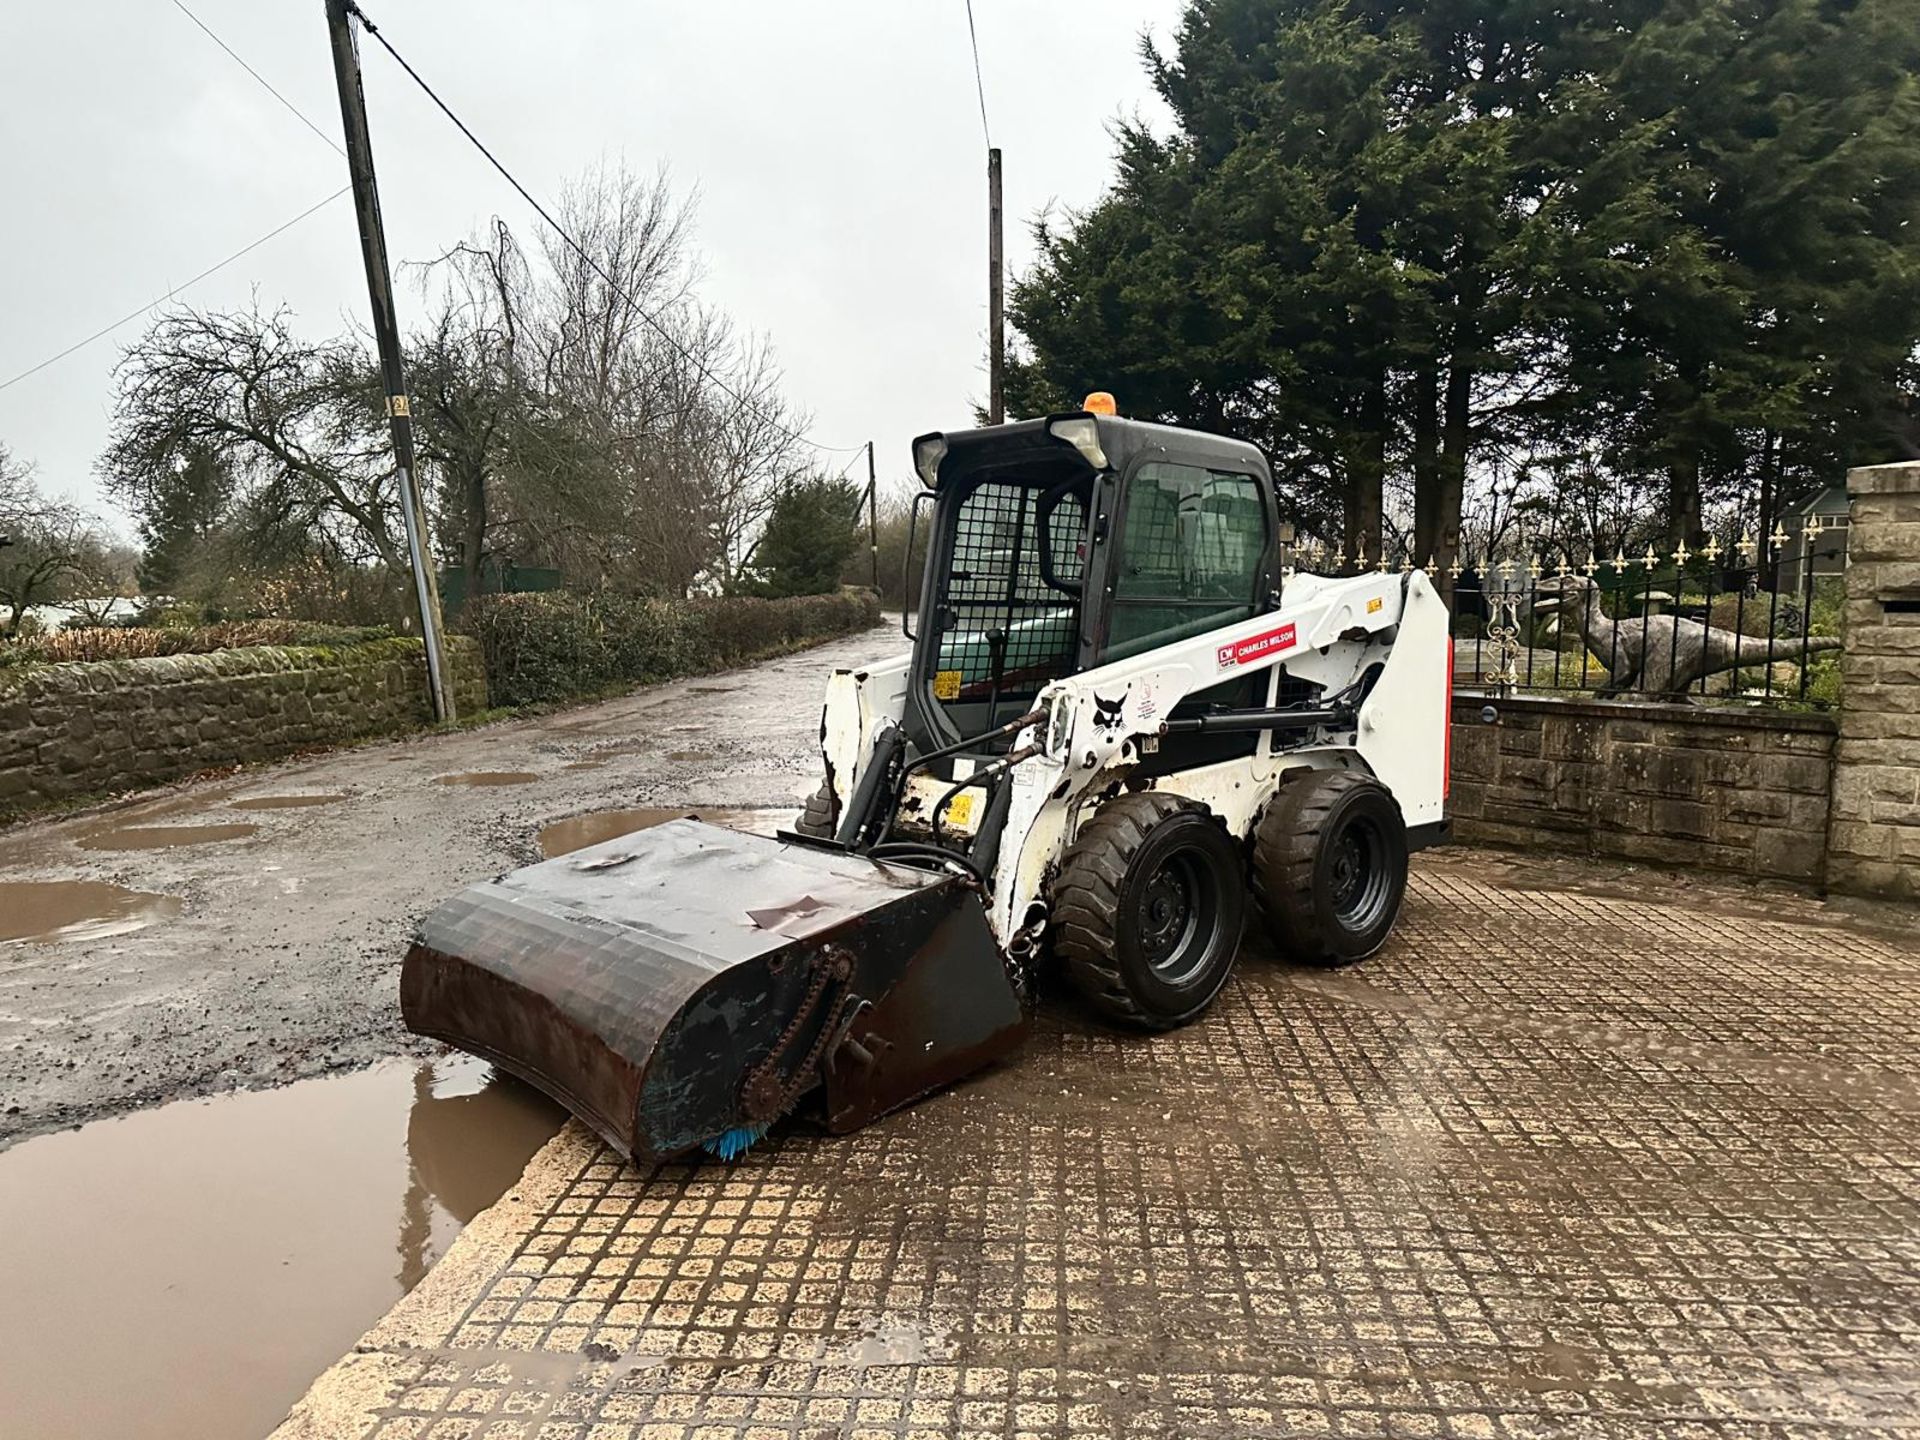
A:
(248, 931)
(1582, 1153)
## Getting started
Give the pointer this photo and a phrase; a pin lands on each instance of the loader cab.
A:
(1061, 544)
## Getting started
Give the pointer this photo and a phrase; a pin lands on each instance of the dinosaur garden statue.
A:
(1662, 655)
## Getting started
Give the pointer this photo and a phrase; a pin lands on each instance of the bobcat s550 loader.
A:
(1122, 729)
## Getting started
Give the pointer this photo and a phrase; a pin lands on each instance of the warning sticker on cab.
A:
(946, 685)
(960, 812)
(1256, 647)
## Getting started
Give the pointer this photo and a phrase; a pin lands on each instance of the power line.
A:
(581, 251)
(131, 315)
(294, 109)
(858, 451)
(979, 85)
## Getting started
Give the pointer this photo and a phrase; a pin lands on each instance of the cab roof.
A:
(1121, 439)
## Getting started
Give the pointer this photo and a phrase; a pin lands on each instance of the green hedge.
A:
(557, 645)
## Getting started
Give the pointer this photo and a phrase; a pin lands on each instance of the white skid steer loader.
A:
(1121, 728)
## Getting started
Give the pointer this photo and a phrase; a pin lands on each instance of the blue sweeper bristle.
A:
(736, 1142)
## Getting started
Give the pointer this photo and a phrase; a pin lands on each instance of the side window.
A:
(1189, 555)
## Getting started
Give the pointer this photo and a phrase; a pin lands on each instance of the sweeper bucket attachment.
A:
(688, 985)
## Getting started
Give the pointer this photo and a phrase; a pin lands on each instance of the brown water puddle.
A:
(162, 837)
(283, 802)
(247, 1240)
(684, 755)
(563, 837)
(488, 777)
(76, 909)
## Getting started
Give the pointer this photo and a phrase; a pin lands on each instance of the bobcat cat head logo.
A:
(1106, 716)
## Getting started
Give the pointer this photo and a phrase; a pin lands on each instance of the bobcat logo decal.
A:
(1107, 718)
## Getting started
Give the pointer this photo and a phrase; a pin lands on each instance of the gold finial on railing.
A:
(1505, 568)
(1620, 561)
(1779, 536)
(1533, 568)
(1592, 565)
(1560, 565)
(1454, 570)
(1340, 560)
(1382, 558)
(1681, 555)
(1746, 546)
(1406, 562)
(1430, 568)
(1712, 551)
(1649, 559)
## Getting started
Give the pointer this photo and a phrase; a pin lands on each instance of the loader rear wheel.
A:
(817, 819)
(1148, 909)
(1330, 867)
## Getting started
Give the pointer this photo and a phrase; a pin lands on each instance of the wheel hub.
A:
(1357, 882)
(1173, 917)
(1165, 910)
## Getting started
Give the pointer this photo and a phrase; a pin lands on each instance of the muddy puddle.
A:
(283, 802)
(49, 910)
(686, 755)
(162, 837)
(563, 837)
(488, 777)
(187, 1271)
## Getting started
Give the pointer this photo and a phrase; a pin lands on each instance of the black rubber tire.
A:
(1330, 867)
(1131, 862)
(818, 818)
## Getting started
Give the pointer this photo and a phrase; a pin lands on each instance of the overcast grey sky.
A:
(835, 148)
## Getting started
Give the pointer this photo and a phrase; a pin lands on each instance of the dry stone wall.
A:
(68, 732)
(1740, 791)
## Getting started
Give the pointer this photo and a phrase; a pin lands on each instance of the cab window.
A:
(1189, 556)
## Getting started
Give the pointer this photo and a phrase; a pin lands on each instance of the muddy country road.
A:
(248, 931)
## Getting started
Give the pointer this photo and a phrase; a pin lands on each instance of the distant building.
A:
(1816, 540)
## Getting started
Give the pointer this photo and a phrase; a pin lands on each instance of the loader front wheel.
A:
(1330, 867)
(1148, 910)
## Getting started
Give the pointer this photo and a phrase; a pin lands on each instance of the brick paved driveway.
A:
(1575, 1156)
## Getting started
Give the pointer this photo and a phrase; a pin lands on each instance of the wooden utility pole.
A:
(996, 299)
(386, 334)
(873, 517)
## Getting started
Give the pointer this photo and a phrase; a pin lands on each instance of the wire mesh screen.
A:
(998, 598)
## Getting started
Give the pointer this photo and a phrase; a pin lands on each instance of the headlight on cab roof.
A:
(928, 452)
(1083, 433)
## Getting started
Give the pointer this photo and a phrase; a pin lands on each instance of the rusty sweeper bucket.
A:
(687, 985)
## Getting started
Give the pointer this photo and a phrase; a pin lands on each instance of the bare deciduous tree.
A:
(577, 408)
(298, 427)
(53, 546)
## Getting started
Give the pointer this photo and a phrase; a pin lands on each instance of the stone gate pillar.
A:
(1873, 838)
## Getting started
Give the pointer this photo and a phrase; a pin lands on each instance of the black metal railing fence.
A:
(1735, 620)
